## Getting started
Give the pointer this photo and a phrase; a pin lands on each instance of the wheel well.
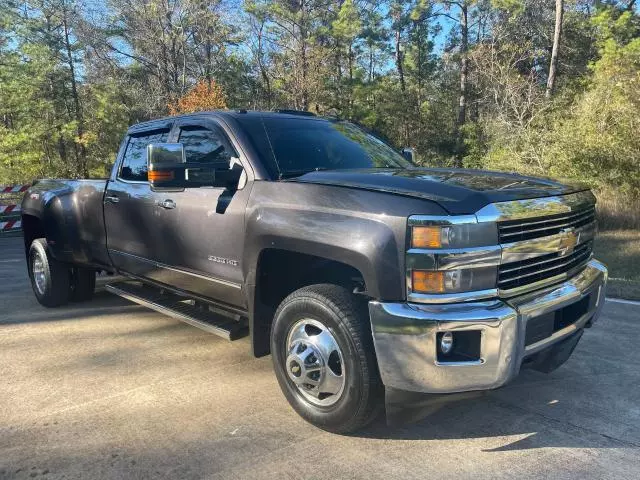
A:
(32, 228)
(281, 272)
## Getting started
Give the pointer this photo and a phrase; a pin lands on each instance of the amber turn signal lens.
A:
(426, 237)
(427, 281)
(156, 175)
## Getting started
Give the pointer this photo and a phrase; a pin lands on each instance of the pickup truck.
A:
(360, 273)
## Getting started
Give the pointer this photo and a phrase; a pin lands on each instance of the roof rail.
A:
(296, 112)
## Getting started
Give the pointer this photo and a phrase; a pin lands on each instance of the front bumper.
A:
(405, 334)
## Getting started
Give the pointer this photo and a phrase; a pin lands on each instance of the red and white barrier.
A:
(10, 225)
(11, 194)
(6, 209)
(14, 188)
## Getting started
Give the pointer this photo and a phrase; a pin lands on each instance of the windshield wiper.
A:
(299, 173)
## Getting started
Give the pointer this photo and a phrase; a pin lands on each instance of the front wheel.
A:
(324, 359)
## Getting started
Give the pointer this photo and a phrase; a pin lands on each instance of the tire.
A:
(82, 284)
(303, 325)
(50, 280)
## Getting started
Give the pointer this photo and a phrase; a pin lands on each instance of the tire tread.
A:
(57, 274)
(353, 314)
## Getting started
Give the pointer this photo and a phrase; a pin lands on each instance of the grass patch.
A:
(617, 211)
(619, 250)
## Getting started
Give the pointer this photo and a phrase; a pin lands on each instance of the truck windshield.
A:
(300, 145)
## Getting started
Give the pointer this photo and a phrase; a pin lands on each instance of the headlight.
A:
(451, 258)
(453, 281)
(454, 236)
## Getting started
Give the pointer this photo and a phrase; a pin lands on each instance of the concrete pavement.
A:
(108, 389)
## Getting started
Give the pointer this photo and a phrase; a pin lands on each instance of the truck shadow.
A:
(486, 419)
(540, 423)
(103, 303)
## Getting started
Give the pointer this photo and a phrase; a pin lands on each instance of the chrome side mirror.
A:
(165, 165)
(408, 153)
(165, 153)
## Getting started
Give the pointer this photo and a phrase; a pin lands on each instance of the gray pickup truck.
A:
(360, 273)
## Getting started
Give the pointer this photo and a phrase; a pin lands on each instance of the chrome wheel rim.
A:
(315, 363)
(39, 278)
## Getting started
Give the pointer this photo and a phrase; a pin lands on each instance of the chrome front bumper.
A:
(404, 335)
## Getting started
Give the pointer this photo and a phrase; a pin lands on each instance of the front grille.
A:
(518, 230)
(516, 274)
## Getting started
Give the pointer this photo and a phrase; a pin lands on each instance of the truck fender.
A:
(364, 243)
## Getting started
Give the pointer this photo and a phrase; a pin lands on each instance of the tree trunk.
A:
(553, 67)
(263, 70)
(399, 61)
(207, 68)
(337, 91)
(303, 101)
(81, 150)
(416, 26)
(350, 101)
(305, 87)
(464, 72)
(370, 63)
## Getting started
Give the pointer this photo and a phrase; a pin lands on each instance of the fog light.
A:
(446, 342)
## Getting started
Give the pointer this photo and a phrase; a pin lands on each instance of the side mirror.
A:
(408, 153)
(166, 165)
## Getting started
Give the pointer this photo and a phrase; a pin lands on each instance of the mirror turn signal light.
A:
(162, 175)
(427, 281)
(426, 237)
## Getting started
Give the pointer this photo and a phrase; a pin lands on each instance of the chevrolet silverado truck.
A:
(360, 273)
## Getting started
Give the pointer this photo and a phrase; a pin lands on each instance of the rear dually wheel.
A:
(49, 277)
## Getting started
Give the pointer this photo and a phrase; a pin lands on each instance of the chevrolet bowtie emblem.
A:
(568, 240)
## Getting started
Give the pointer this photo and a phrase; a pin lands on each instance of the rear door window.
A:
(202, 145)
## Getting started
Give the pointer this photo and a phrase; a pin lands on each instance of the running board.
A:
(230, 326)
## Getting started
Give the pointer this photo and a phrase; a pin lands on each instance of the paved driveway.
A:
(108, 389)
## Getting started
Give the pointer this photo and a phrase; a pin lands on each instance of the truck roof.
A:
(164, 122)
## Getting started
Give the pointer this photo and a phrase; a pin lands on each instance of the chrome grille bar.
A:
(517, 274)
(514, 231)
(562, 217)
(535, 262)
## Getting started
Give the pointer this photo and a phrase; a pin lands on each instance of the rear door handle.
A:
(111, 199)
(168, 204)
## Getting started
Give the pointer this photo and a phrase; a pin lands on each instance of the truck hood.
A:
(459, 191)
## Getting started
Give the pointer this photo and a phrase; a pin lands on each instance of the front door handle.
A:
(111, 198)
(168, 204)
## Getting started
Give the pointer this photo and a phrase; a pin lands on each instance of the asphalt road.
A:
(108, 389)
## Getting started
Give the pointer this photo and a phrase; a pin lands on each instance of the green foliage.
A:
(601, 134)
(25, 148)
(107, 119)
(347, 25)
(591, 133)
(44, 132)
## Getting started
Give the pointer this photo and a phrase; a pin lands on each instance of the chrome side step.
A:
(230, 327)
